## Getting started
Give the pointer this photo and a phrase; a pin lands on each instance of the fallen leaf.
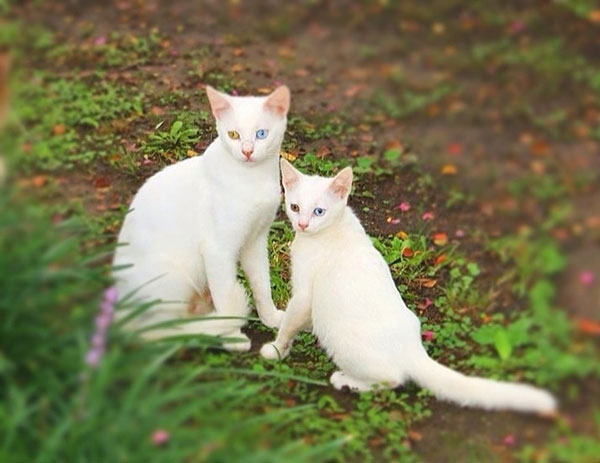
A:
(440, 239)
(156, 111)
(392, 220)
(454, 148)
(323, 151)
(438, 28)
(594, 16)
(352, 91)
(264, 90)
(238, 51)
(191, 153)
(428, 282)
(439, 259)
(402, 235)
(39, 181)
(59, 129)
(288, 156)
(588, 326)
(415, 436)
(449, 169)
(237, 67)
(540, 148)
(102, 182)
(408, 253)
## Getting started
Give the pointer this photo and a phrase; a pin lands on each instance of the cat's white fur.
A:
(342, 284)
(191, 223)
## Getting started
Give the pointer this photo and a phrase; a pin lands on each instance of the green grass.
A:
(64, 123)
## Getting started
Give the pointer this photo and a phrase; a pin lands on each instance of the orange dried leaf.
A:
(428, 282)
(288, 156)
(588, 326)
(59, 129)
(540, 148)
(449, 169)
(39, 181)
(594, 16)
(439, 259)
(440, 239)
(402, 235)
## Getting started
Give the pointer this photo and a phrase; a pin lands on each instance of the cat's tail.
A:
(470, 391)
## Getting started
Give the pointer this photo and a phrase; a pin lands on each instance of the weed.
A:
(177, 142)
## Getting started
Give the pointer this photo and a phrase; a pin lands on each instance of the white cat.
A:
(344, 287)
(191, 223)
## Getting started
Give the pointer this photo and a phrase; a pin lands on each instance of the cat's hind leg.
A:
(339, 379)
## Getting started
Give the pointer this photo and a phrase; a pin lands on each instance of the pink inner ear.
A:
(218, 103)
(279, 101)
(339, 189)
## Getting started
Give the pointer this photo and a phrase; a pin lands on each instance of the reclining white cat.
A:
(191, 223)
(344, 287)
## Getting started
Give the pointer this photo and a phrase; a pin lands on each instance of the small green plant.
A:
(175, 142)
(410, 102)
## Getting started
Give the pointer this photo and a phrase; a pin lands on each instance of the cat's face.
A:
(251, 128)
(313, 203)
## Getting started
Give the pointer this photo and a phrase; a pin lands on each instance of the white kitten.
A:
(344, 287)
(192, 222)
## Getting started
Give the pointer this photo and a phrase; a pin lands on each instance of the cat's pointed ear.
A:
(289, 174)
(342, 183)
(219, 102)
(279, 101)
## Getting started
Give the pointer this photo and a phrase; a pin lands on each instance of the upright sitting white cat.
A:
(191, 223)
(343, 285)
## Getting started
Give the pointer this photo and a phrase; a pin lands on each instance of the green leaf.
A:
(473, 269)
(176, 128)
(502, 344)
(392, 155)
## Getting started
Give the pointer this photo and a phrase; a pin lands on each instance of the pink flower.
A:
(234, 92)
(98, 341)
(160, 437)
(427, 303)
(107, 308)
(93, 357)
(111, 295)
(103, 322)
(459, 233)
(517, 26)
(427, 216)
(100, 40)
(509, 440)
(586, 278)
(428, 335)
(404, 207)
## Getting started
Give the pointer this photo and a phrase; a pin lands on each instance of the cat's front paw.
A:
(239, 342)
(272, 352)
(272, 318)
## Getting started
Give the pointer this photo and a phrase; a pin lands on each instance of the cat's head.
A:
(313, 203)
(250, 127)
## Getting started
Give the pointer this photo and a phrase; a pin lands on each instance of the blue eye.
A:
(262, 134)
(319, 211)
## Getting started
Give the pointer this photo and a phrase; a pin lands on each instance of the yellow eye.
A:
(233, 134)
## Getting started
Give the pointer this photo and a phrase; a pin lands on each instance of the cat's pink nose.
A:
(303, 225)
(247, 149)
